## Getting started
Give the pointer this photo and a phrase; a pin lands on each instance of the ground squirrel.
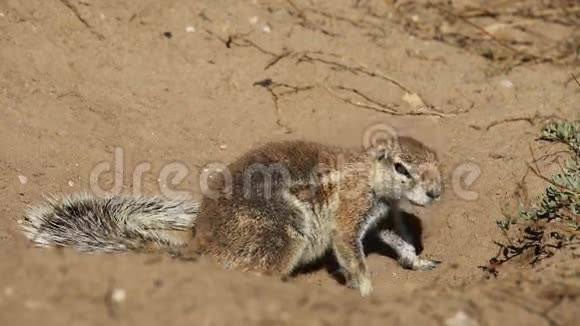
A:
(280, 206)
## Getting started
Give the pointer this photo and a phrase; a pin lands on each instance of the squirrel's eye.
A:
(401, 169)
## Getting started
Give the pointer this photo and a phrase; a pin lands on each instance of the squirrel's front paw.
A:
(418, 263)
(364, 285)
(362, 282)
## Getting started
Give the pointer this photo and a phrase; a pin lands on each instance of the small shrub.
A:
(559, 205)
(562, 197)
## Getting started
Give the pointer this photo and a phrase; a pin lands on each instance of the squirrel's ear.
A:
(379, 149)
(379, 140)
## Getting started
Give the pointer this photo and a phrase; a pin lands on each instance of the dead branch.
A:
(550, 155)
(240, 40)
(307, 57)
(83, 21)
(275, 98)
(271, 87)
(542, 14)
(355, 23)
(493, 37)
(531, 120)
(373, 105)
(292, 89)
(499, 122)
(357, 68)
(306, 22)
(276, 59)
(576, 80)
(537, 172)
(521, 190)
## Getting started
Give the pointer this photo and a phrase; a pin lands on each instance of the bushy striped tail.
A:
(118, 223)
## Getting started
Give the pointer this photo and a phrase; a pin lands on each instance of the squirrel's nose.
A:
(433, 194)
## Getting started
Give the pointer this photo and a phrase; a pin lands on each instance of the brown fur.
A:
(319, 200)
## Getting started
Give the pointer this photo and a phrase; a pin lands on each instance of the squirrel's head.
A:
(403, 167)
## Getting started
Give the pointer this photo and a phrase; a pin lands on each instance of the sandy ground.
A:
(175, 82)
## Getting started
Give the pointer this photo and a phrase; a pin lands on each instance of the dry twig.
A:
(531, 120)
(271, 87)
(371, 104)
(524, 54)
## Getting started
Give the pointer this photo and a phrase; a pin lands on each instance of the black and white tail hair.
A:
(117, 223)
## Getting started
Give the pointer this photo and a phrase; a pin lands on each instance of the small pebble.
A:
(168, 35)
(267, 29)
(415, 18)
(506, 83)
(118, 295)
(461, 319)
(8, 291)
(71, 183)
(223, 146)
(190, 29)
(253, 20)
(23, 179)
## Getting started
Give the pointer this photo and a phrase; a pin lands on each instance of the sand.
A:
(185, 84)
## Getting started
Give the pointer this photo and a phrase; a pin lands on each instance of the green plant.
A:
(562, 197)
(558, 204)
(565, 132)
